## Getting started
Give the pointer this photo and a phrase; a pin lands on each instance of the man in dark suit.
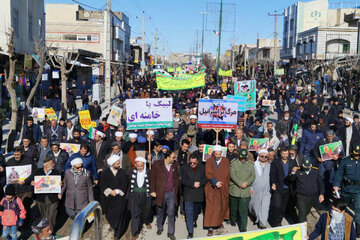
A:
(99, 148)
(193, 180)
(164, 186)
(280, 169)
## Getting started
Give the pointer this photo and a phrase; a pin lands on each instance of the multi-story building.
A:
(27, 18)
(326, 43)
(265, 49)
(303, 16)
(71, 26)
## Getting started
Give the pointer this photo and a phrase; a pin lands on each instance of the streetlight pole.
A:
(202, 38)
(220, 26)
(108, 52)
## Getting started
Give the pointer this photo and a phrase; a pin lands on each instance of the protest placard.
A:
(274, 143)
(15, 174)
(47, 184)
(268, 103)
(70, 148)
(256, 144)
(85, 119)
(241, 101)
(224, 87)
(38, 113)
(114, 116)
(50, 113)
(331, 150)
(217, 113)
(93, 124)
(208, 151)
(246, 90)
(149, 113)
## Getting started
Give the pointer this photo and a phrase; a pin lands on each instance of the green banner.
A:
(225, 73)
(172, 83)
(179, 69)
(170, 70)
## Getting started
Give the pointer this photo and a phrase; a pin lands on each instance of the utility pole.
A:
(275, 38)
(108, 52)
(143, 62)
(202, 37)
(218, 55)
(156, 38)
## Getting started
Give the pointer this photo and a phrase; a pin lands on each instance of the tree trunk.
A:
(63, 94)
(33, 90)
(14, 107)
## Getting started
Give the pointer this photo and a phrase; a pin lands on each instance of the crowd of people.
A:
(142, 175)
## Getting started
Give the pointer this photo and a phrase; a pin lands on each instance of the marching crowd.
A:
(141, 175)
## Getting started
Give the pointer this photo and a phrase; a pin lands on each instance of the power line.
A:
(75, 1)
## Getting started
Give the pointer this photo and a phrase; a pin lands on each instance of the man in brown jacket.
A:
(164, 187)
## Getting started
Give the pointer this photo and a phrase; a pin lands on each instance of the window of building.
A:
(291, 24)
(81, 37)
(15, 23)
(346, 48)
(70, 37)
(40, 28)
(53, 36)
(291, 44)
(286, 26)
(94, 38)
(30, 26)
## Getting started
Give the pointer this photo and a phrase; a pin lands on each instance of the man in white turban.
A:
(113, 187)
(260, 190)
(140, 199)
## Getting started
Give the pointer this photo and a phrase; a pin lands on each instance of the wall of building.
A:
(70, 26)
(28, 20)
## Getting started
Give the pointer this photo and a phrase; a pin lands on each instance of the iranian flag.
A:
(216, 33)
(92, 133)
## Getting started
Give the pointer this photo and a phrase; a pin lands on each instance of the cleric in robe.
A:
(217, 171)
(140, 199)
(114, 185)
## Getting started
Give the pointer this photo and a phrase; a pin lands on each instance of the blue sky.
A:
(178, 20)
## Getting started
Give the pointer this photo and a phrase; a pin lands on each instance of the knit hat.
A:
(10, 190)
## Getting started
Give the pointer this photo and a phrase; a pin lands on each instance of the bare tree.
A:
(9, 83)
(60, 62)
(115, 69)
(208, 62)
(42, 53)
